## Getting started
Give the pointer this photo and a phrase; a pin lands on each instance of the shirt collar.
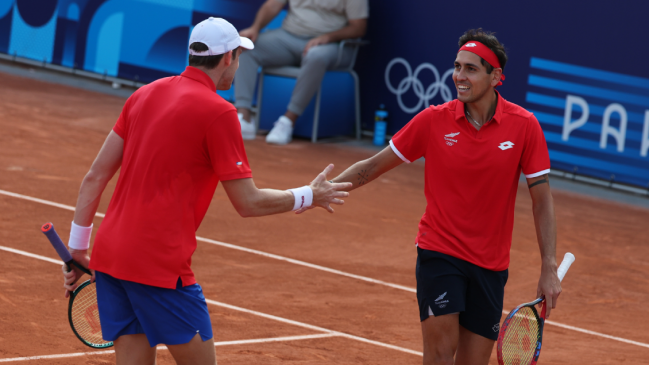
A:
(200, 76)
(459, 111)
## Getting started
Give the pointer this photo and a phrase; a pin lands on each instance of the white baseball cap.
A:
(219, 36)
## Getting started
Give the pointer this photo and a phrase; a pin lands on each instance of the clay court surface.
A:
(50, 134)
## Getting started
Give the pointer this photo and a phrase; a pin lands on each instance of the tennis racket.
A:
(519, 340)
(83, 313)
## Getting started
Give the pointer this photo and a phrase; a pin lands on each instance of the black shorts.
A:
(446, 285)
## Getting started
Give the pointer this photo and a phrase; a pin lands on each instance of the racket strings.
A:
(85, 315)
(521, 337)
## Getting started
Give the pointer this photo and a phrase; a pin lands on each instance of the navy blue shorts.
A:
(446, 285)
(165, 316)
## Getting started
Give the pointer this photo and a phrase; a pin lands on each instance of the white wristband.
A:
(80, 237)
(303, 197)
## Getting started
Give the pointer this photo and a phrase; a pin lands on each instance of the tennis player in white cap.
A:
(174, 141)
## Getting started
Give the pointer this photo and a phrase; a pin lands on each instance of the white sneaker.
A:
(282, 132)
(247, 128)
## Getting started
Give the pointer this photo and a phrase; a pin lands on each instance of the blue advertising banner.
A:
(139, 40)
(595, 122)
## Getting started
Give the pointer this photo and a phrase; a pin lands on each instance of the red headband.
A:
(484, 52)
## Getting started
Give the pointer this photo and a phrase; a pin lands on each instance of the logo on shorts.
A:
(496, 327)
(506, 145)
(449, 138)
(440, 302)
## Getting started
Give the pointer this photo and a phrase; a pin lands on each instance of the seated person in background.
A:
(308, 38)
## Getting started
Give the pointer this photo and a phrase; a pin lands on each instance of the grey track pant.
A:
(280, 48)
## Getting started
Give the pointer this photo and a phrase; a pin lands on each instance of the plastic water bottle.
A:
(380, 125)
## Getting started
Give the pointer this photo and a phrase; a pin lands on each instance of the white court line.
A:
(302, 263)
(327, 332)
(57, 356)
(25, 253)
(318, 267)
(586, 331)
(275, 339)
(46, 202)
(224, 343)
(315, 328)
(597, 334)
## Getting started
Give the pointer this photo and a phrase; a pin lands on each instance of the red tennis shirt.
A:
(180, 139)
(472, 177)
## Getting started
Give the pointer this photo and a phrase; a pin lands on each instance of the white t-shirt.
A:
(312, 18)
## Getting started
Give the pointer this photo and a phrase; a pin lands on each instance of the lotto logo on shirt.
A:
(595, 122)
(506, 145)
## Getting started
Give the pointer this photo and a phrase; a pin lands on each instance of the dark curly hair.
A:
(489, 40)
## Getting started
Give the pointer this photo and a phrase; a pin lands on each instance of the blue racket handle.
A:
(59, 246)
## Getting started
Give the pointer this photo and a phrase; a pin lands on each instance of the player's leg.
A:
(313, 67)
(440, 336)
(480, 322)
(119, 322)
(194, 352)
(473, 349)
(134, 350)
(177, 318)
(441, 293)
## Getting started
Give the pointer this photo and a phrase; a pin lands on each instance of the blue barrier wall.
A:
(139, 40)
(578, 65)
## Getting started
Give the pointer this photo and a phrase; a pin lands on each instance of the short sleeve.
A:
(411, 142)
(357, 9)
(225, 148)
(535, 160)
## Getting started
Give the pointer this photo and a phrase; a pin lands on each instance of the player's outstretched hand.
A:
(326, 193)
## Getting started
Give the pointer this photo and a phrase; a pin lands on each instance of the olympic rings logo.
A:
(425, 96)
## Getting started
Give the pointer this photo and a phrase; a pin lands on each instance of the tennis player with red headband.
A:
(475, 148)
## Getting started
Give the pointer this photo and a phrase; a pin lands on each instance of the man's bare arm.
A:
(249, 201)
(362, 172)
(265, 14)
(546, 233)
(102, 170)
